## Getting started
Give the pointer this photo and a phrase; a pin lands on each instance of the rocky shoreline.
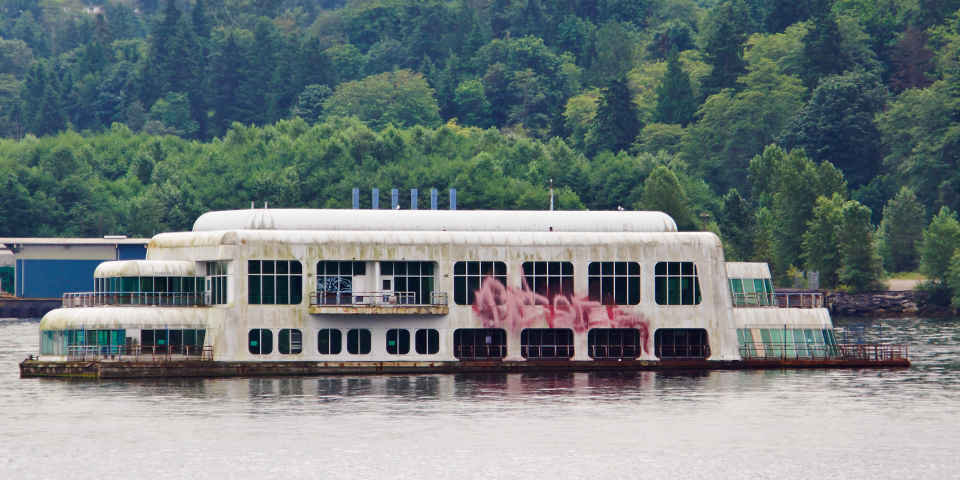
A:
(890, 304)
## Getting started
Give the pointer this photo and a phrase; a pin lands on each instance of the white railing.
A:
(781, 300)
(137, 299)
(377, 299)
(138, 353)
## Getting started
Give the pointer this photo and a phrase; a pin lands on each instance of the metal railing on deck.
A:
(138, 353)
(480, 352)
(136, 299)
(782, 300)
(874, 353)
(377, 299)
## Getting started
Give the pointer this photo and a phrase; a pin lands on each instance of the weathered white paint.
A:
(748, 270)
(143, 268)
(436, 220)
(229, 325)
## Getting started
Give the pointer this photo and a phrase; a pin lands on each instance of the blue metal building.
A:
(50, 267)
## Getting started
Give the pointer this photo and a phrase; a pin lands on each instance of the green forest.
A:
(810, 134)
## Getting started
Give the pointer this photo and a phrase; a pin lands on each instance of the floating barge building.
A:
(300, 292)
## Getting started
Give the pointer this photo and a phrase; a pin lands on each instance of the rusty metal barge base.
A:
(213, 369)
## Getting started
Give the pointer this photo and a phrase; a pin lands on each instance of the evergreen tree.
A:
(738, 228)
(941, 239)
(676, 104)
(198, 18)
(32, 94)
(821, 242)
(861, 267)
(903, 230)
(223, 85)
(662, 192)
(823, 52)
(51, 118)
(285, 86)
(257, 72)
(723, 38)
(617, 123)
(837, 124)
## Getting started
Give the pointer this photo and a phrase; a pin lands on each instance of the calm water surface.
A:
(775, 424)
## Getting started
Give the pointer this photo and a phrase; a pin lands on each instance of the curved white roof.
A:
(435, 220)
(481, 239)
(145, 268)
(124, 317)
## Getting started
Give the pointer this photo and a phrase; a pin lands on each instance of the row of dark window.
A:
(491, 343)
(330, 341)
(609, 283)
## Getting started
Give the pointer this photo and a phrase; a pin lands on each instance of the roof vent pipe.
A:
(394, 199)
(453, 199)
(264, 204)
(251, 206)
(433, 199)
(356, 198)
(376, 199)
(413, 199)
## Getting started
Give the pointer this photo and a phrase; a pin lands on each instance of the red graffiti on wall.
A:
(514, 309)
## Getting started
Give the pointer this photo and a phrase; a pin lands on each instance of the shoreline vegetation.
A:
(817, 136)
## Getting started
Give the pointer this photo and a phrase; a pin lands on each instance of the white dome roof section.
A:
(435, 221)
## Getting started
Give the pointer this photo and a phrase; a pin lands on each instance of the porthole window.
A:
(358, 341)
(329, 342)
(260, 341)
(290, 341)
(398, 341)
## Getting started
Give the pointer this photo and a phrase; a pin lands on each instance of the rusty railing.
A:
(874, 353)
(781, 300)
(138, 353)
(377, 299)
(135, 299)
(480, 352)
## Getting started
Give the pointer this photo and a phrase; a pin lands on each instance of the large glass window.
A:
(274, 282)
(614, 283)
(548, 343)
(676, 283)
(410, 282)
(549, 278)
(187, 341)
(751, 291)
(217, 282)
(149, 284)
(335, 281)
(358, 341)
(329, 341)
(480, 343)
(427, 341)
(681, 343)
(290, 341)
(398, 341)
(616, 343)
(468, 278)
(260, 341)
(786, 342)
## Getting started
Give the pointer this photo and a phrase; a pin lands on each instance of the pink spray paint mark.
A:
(514, 309)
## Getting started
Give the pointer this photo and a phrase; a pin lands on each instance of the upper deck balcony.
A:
(398, 303)
(778, 300)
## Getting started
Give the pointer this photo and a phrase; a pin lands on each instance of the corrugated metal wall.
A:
(131, 252)
(49, 271)
(53, 278)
